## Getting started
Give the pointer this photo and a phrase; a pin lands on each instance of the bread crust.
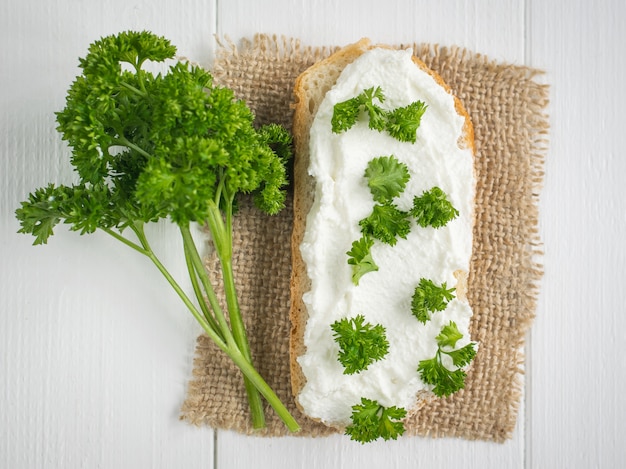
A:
(309, 91)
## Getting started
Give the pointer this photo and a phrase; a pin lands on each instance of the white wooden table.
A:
(95, 354)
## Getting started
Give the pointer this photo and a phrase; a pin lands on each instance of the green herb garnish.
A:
(428, 298)
(371, 421)
(434, 372)
(346, 113)
(360, 258)
(400, 123)
(360, 343)
(386, 223)
(386, 177)
(433, 208)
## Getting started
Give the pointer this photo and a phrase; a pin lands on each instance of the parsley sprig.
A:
(401, 123)
(360, 343)
(360, 258)
(434, 372)
(386, 223)
(433, 208)
(429, 297)
(346, 113)
(386, 178)
(371, 421)
(169, 146)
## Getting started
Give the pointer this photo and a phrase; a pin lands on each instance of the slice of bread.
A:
(310, 89)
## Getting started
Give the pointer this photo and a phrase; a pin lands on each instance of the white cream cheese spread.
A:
(342, 199)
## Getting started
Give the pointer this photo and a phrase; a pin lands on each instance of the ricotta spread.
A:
(342, 198)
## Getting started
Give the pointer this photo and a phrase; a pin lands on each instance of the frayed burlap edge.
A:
(508, 109)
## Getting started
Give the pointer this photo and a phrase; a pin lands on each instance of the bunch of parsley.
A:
(148, 147)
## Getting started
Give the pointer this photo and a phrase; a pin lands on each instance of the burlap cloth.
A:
(508, 109)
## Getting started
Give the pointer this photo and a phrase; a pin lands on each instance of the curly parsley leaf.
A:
(371, 421)
(463, 356)
(346, 113)
(446, 381)
(360, 343)
(386, 177)
(434, 372)
(402, 122)
(386, 223)
(376, 114)
(449, 335)
(433, 208)
(44, 209)
(270, 196)
(428, 298)
(360, 258)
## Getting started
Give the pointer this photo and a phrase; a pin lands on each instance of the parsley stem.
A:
(222, 236)
(122, 140)
(220, 187)
(126, 241)
(130, 87)
(198, 292)
(239, 332)
(266, 391)
(200, 273)
(236, 321)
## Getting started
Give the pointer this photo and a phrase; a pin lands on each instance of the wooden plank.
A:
(237, 452)
(94, 356)
(492, 28)
(577, 366)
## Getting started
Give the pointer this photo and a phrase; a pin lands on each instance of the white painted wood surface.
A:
(95, 353)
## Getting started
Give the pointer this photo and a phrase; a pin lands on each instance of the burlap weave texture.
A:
(508, 110)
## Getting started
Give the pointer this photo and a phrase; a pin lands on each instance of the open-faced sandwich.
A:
(382, 241)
